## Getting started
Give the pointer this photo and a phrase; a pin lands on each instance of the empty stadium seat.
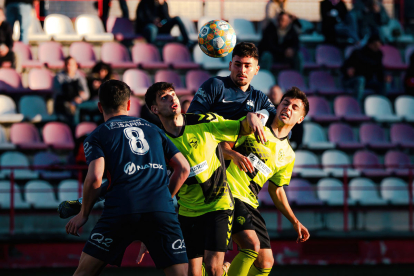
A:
(189, 26)
(8, 111)
(223, 73)
(207, 62)
(138, 81)
(289, 78)
(91, 28)
(308, 62)
(342, 135)
(41, 79)
(397, 162)
(347, 108)
(40, 194)
(307, 165)
(395, 190)
(147, 56)
(364, 191)
(320, 111)
(368, 164)
(26, 137)
(14, 158)
(178, 56)
(121, 28)
(335, 221)
(25, 55)
(383, 221)
(301, 192)
(334, 162)
(374, 136)
(391, 58)
(34, 109)
(83, 53)
(117, 55)
(404, 107)
(68, 190)
(42, 159)
(5, 196)
(84, 128)
(331, 191)
(58, 136)
(60, 27)
(408, 52)
(245, 30)
(263, 81)
(4, 143)
(329, 56)
(135, 110)
(195, 78)
(10, 81)
(36, 32)
(172, 76)
(403, 135)
(314, 137)
(323, 83)
(379, 107)
(51, 53)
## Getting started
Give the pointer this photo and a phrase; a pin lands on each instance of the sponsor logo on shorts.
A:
(130, 168)
(241, 220)
(101, 240)
(179, 245)
(259, 164)
(197, 169)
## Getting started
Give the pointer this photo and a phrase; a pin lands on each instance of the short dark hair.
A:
(246, 49)
(155, 90)
(113, 94)
(66, 60)
(296, 93)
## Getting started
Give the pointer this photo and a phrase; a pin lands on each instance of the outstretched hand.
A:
(242, 162)
(256, 125)
(303, 233)
(142, 251)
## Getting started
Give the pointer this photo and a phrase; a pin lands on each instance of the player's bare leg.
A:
(250, 246)
(263, 264)
(89, 266)
(176, 270)
(195, 267)
(214, 263)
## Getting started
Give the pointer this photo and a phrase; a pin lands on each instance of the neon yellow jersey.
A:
(206, 188)
(272, 161)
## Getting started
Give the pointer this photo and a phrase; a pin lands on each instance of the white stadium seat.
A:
(404, 107)
(40, 194)
(332, 160)
(5, 196)
(263, 81)
(61, 28)
(306, 158)
(395, 190)
(14, 158)
(379, 107)
(91, 27)
(364, 191)
(331, 191)
(315, 138)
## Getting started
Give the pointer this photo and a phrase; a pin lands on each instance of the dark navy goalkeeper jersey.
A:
(135, 153)
(220, 95)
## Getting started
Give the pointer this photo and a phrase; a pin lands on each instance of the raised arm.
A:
(181, 170)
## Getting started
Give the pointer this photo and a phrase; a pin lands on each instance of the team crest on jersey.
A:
(280, 155)
(193, 142)
(241, 220)
(200, 92)
(250, 105)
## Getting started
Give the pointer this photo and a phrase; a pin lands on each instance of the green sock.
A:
(256, 271)
(203, 270)
(242, 262)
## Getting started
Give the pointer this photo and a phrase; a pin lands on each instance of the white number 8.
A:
(137, 141)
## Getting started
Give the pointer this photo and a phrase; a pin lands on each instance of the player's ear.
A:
(257, 69)
(301, 119)
(129, 105)
(230, 63)
(100, 107)
(154, 109)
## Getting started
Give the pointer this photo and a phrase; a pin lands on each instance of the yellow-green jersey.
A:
(272, 161)
(206, 188)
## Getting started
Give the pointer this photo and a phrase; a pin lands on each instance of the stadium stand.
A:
(8, 112)
(40, 79)
(348, 109)
(397, 162)
(368, 164)
(245, 30)
(40, 194)
(374, 136)
(380, 108)
(147, 57)
(335, 161)
(5, 196)
(117, 55)
(363, 191)
(307, 165)
(178, 57)
(320, 110)
(83, 53)
(138, 81)
(195, 78)
(323, 83)
(343, 136)
(60, 28)
(26, 137)
(329, 57)
(49, 159)
(314, 137)
(330, 191)
(91, 28)
(403, 135)
(174, 78)
(394, 190)
(121, 28)
(51, 54)
(58, 136)
(263, 81)
(14, 158)
(34, 109)
(403, 108)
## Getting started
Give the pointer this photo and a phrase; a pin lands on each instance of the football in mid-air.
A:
(217, 38)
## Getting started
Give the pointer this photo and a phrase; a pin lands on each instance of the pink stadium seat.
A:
(374, 136)
(26, 137)
(342, 135)
(403, 134)
(121, 28)
(308, 61)
(320, 111)
(58, 135)
(135, 110)
(25, 55)
(329, 56)
(392, 59)
(147, 56)
(172, 77)
(83, 53)
(40, 79)
(10, 81)
(301, 192)
(348, 109)
(84, 128)
(51, 53)
(289, 78)
(195, 78)
(368, 163)
(117, 55)
(178, 56)
(322, 82)
(397, 162)
(138, 81)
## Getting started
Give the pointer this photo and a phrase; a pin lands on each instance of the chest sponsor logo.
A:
(197, 169)
(259, 164)
(130, 168)
(250, 105)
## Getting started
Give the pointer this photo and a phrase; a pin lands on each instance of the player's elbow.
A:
(185, 169)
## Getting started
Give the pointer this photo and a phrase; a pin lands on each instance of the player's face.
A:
(290, 111)
(243, 69)
(168, 104)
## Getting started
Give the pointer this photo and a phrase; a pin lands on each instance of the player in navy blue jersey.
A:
(138, 202)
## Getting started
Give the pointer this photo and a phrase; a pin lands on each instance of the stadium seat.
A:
(41, 79)
(60, 27)
(245, 30)
(379, 107)
(178, 57)
(189, 26)
(195, 78)
(4, 143)
(147, 57)
(17, 159)
(51, 54)
(117, 55)
(394, 27)
(394, 190)
(386, 221)
(91, 28)
(83, 53)
(331, 192)
(408, 52)
(307, 165)
(347, 108)
(335, 221)
(301, 192)
(68, 190)
(364, 191)
(136, 105)
(10, 81)
(58, 136)
(263, 81)
(85, 128)
(350, 49)
(329, 56)
(334, 162)
(121, 28)
(404, 107)
(320, 111)
(40, 194)
(26, 137)
(138, 81)
(342, 135)
(403, 135)
(172, 77)
(34, 109)
(8, 111)
(308, 62)
(25, 56)
(289, 78)
(207, 62)
(368, 164)
(314, 137)
(321, 82)
(50, 159)
(391, 58)
(397, 162)
(36, 33)
(5, 196)
(374, 136)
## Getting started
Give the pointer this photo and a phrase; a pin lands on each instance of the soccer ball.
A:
(217, 38)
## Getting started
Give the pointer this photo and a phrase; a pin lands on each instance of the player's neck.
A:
(111, 115)
(280, 129)
(174, 124)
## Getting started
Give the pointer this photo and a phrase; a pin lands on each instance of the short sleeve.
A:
(240, 141)
(204, 97)
(92, 148)
(222, 129)
(168, 147)
(267, 104)
(283, 176)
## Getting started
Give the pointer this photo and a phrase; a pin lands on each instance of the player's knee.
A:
(265, 262)
(214, 269)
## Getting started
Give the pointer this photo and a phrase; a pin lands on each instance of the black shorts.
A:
(248, 218)
(211, 231)
(159, 231)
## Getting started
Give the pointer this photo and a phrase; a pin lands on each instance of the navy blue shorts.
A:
(159, 231)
